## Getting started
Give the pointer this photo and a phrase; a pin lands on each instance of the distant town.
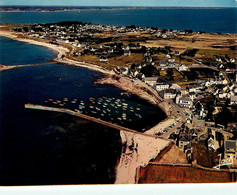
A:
(193, 73)
(81, 8)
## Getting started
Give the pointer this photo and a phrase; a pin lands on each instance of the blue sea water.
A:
(15, 53)
(39, 147)
(210, 20)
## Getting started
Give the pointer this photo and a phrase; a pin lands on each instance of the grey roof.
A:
(230, 144)
(151, 78)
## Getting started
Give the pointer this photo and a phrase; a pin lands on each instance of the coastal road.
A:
(175, 111)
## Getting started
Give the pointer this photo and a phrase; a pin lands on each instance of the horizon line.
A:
(125, 6)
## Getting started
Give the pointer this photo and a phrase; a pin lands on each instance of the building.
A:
(103, 59)
(182, 68)
(185, 102)
(169, 93)
(233, 100)
(183, 141)
(162, 86)
(151, 80)
(194, 88)
(230, 146)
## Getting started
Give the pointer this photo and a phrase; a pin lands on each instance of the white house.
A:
(175, 86)
(161, 86)
(182, 68)
(185, 102)
(184, 91)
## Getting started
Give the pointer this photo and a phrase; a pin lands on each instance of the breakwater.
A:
(78, 114)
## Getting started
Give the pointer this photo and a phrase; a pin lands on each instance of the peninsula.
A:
(190, 75)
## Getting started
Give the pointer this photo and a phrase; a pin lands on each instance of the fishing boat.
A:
(50, 100)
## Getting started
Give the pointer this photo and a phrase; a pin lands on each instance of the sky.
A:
(189, 3)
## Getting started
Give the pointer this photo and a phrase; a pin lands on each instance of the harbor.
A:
(79, 114)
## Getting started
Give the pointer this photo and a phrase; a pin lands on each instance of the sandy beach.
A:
(62, 51)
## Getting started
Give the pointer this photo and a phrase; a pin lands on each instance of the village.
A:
(201, 82)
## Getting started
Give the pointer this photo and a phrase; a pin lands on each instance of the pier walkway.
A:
(8, 67)
(78, 114)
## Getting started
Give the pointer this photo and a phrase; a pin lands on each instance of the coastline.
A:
(98, 8)
(59, 49)
(144, 148)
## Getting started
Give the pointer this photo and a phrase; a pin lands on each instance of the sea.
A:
(45, 148)
(222, 20)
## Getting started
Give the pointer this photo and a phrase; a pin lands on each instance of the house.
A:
(185, 102)
(182, 68)
(151, 80)
(103, 59)
(176, 87)
(230, 148)
(171, 65)
(163, 64)
(184, 91)
(233, 99)
(127, 52)
(222, 95)
(192, 95)
(161, 86)
(171, 60)
(183, 141)
(169, 93)
(211, 144)
(177, 53)
(194, 88)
